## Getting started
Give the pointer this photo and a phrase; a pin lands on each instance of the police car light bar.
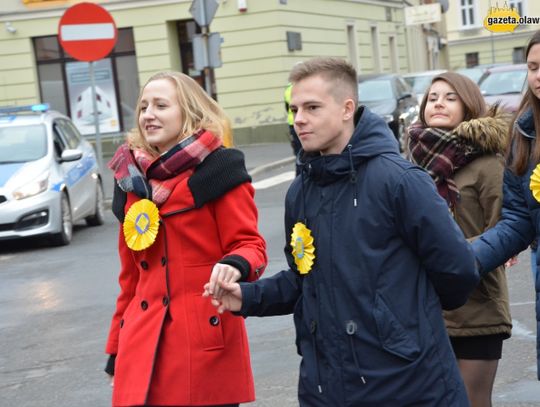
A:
(41, 107)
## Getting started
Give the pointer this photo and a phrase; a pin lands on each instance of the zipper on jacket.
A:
(313, 330)
(352, 176)
(351, 327)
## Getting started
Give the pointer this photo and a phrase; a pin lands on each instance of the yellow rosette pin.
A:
(303, 249)
(535, 183)
(141, 225)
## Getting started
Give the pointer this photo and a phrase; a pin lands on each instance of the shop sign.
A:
(80, 96)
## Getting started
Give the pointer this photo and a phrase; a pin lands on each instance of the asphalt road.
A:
(56, 304)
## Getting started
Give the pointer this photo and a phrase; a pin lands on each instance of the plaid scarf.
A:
(441, 153)
(154, 178)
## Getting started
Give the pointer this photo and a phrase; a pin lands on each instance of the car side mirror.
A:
(69, 155)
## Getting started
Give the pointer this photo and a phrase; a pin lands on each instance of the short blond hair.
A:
(198, 110)
(335, 70)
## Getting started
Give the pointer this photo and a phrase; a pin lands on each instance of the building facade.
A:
(470, 43)
(261, 41)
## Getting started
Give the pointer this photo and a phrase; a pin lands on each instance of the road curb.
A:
(271, 166)
(253, 172)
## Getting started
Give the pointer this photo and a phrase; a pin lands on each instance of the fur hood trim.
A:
(489, 133)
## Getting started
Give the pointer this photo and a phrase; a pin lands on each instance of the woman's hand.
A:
(111, 380)
(221, 273)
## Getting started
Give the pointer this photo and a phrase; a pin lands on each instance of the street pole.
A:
(206, 70)
(491, 39)
(96, 115)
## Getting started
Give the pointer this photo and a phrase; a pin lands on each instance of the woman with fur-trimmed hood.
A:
(460, 143)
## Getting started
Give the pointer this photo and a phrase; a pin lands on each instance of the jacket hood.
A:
(525, 124)
(489, 133)
(371, 137)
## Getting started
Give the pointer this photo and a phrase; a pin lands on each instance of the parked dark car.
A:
(505, 84)
(389, 96)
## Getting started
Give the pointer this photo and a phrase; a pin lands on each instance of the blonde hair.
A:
(198, 111)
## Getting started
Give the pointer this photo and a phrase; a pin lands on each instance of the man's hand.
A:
(512, 261)
(221, 273)
(230, 298)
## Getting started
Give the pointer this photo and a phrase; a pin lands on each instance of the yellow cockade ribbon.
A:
(535, 183)
(141, 225)
(303, 249)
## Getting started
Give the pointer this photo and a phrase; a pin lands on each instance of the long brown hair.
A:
(518, 152)
(474, 105)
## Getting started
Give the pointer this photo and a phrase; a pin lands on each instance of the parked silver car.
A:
(49, 176)
(505, 85)
(420, 81)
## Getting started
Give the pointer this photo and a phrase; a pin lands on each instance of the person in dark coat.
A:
(519, 226)
(374, 255)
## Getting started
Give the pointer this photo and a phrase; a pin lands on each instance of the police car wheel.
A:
(98, 218)
(63, 237)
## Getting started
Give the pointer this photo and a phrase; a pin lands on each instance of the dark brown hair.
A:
(518, 152)
(474, 105)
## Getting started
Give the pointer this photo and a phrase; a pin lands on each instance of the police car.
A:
(49, 176)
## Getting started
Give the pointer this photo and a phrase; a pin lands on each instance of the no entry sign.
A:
(87, 32)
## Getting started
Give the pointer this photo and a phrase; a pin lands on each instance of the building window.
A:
(471, 59)
(376, 50)
(352, 42)
(518, 5)
(187, 29)
(468, 13)
(63, 82)
(518, 55)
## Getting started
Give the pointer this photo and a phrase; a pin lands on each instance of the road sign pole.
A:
(96, 115)
(204, 29)
(203, 12)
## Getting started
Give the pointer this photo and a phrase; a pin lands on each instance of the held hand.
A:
(231, 297)
(511, 262)
(221, 273)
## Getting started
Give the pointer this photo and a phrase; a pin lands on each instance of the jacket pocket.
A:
(393, 336)
(209, 324)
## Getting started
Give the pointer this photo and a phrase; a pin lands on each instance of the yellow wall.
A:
(491, 47)
(255, 57)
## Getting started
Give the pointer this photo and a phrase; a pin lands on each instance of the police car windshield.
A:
(22, 143)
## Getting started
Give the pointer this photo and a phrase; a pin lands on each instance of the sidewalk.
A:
(259, 158)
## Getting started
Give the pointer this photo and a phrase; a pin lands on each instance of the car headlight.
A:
(388, 118)
(35, 187)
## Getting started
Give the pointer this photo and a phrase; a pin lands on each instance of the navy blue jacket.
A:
(519, 224)
(368, 316)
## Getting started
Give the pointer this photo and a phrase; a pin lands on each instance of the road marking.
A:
(514, 304)
(275, 180)
(519, 329)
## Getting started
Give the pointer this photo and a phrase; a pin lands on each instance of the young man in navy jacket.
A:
(374, 255)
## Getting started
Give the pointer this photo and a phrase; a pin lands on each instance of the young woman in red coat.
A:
(187, 215)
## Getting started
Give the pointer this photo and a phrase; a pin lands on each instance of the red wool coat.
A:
(172, 347)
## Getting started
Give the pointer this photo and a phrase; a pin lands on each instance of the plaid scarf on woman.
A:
(441, 153)
(154, 178)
